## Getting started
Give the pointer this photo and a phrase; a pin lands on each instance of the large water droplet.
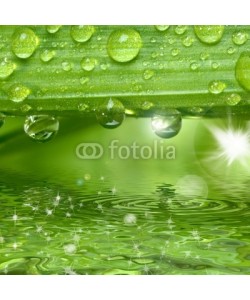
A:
(167, 124)
(216, 87)
(242, 70)
(41, 128)
(47, 55)
(53, 28)
(124, 45)
(2, 120)
(6, 68)
(111, 113)
(162, 27)
(88, 63)
(82, 33)
(18, 92)
(239, 38)
(24, 42)
(233, 99)
(209, 34)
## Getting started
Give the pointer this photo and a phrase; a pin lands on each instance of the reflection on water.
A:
(97, 228)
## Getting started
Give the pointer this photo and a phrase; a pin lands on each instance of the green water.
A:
(64, 215)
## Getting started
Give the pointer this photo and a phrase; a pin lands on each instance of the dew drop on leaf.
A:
(7, 67)
(24, 42)
(18, 92)
(124, 45)
(53, 28)
(82, 33)
(209, 34)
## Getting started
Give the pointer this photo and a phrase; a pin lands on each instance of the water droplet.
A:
(216, 87)
(88, 63)
(111, 113)
(26, 108)
(188, 41)
(18, 92)
(104, 66)
(194, 66)
(153, 40)
(7, 67)
(41, 128)
(47, 55)
(130, 219)
(180, 29)
(24, 42)
(66, 66)
(215, 65)
(204, 56)
(83, 107)
(231, 50)
(233, 99)
(148, 74)
(84, 80)
(146, 105)
(2, 120)
(82, 33)
(167, 124)
(175, 51)
(240, 37)
(209, 34)
(162, 27)
(124, 45)
(242, 70)
(53, 28)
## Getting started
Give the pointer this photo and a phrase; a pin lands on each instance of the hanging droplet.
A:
(2, 120)
(167, 124)
(47, 55)
(18, 92)
(162, 27)
(233, 99)
(209, 34)
(53, 28)
(242, 70)
(124, 45)
(24, 42)
(82, 33)
(88, 63)
(216, 87)
(41, 128)
(7, 67)
(111, 113)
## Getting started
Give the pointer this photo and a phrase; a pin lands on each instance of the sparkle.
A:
(15, 217)
(49, 212)
(233, 144)
(39, 228)
(14, 246)
(114, 191)
(187, 253)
